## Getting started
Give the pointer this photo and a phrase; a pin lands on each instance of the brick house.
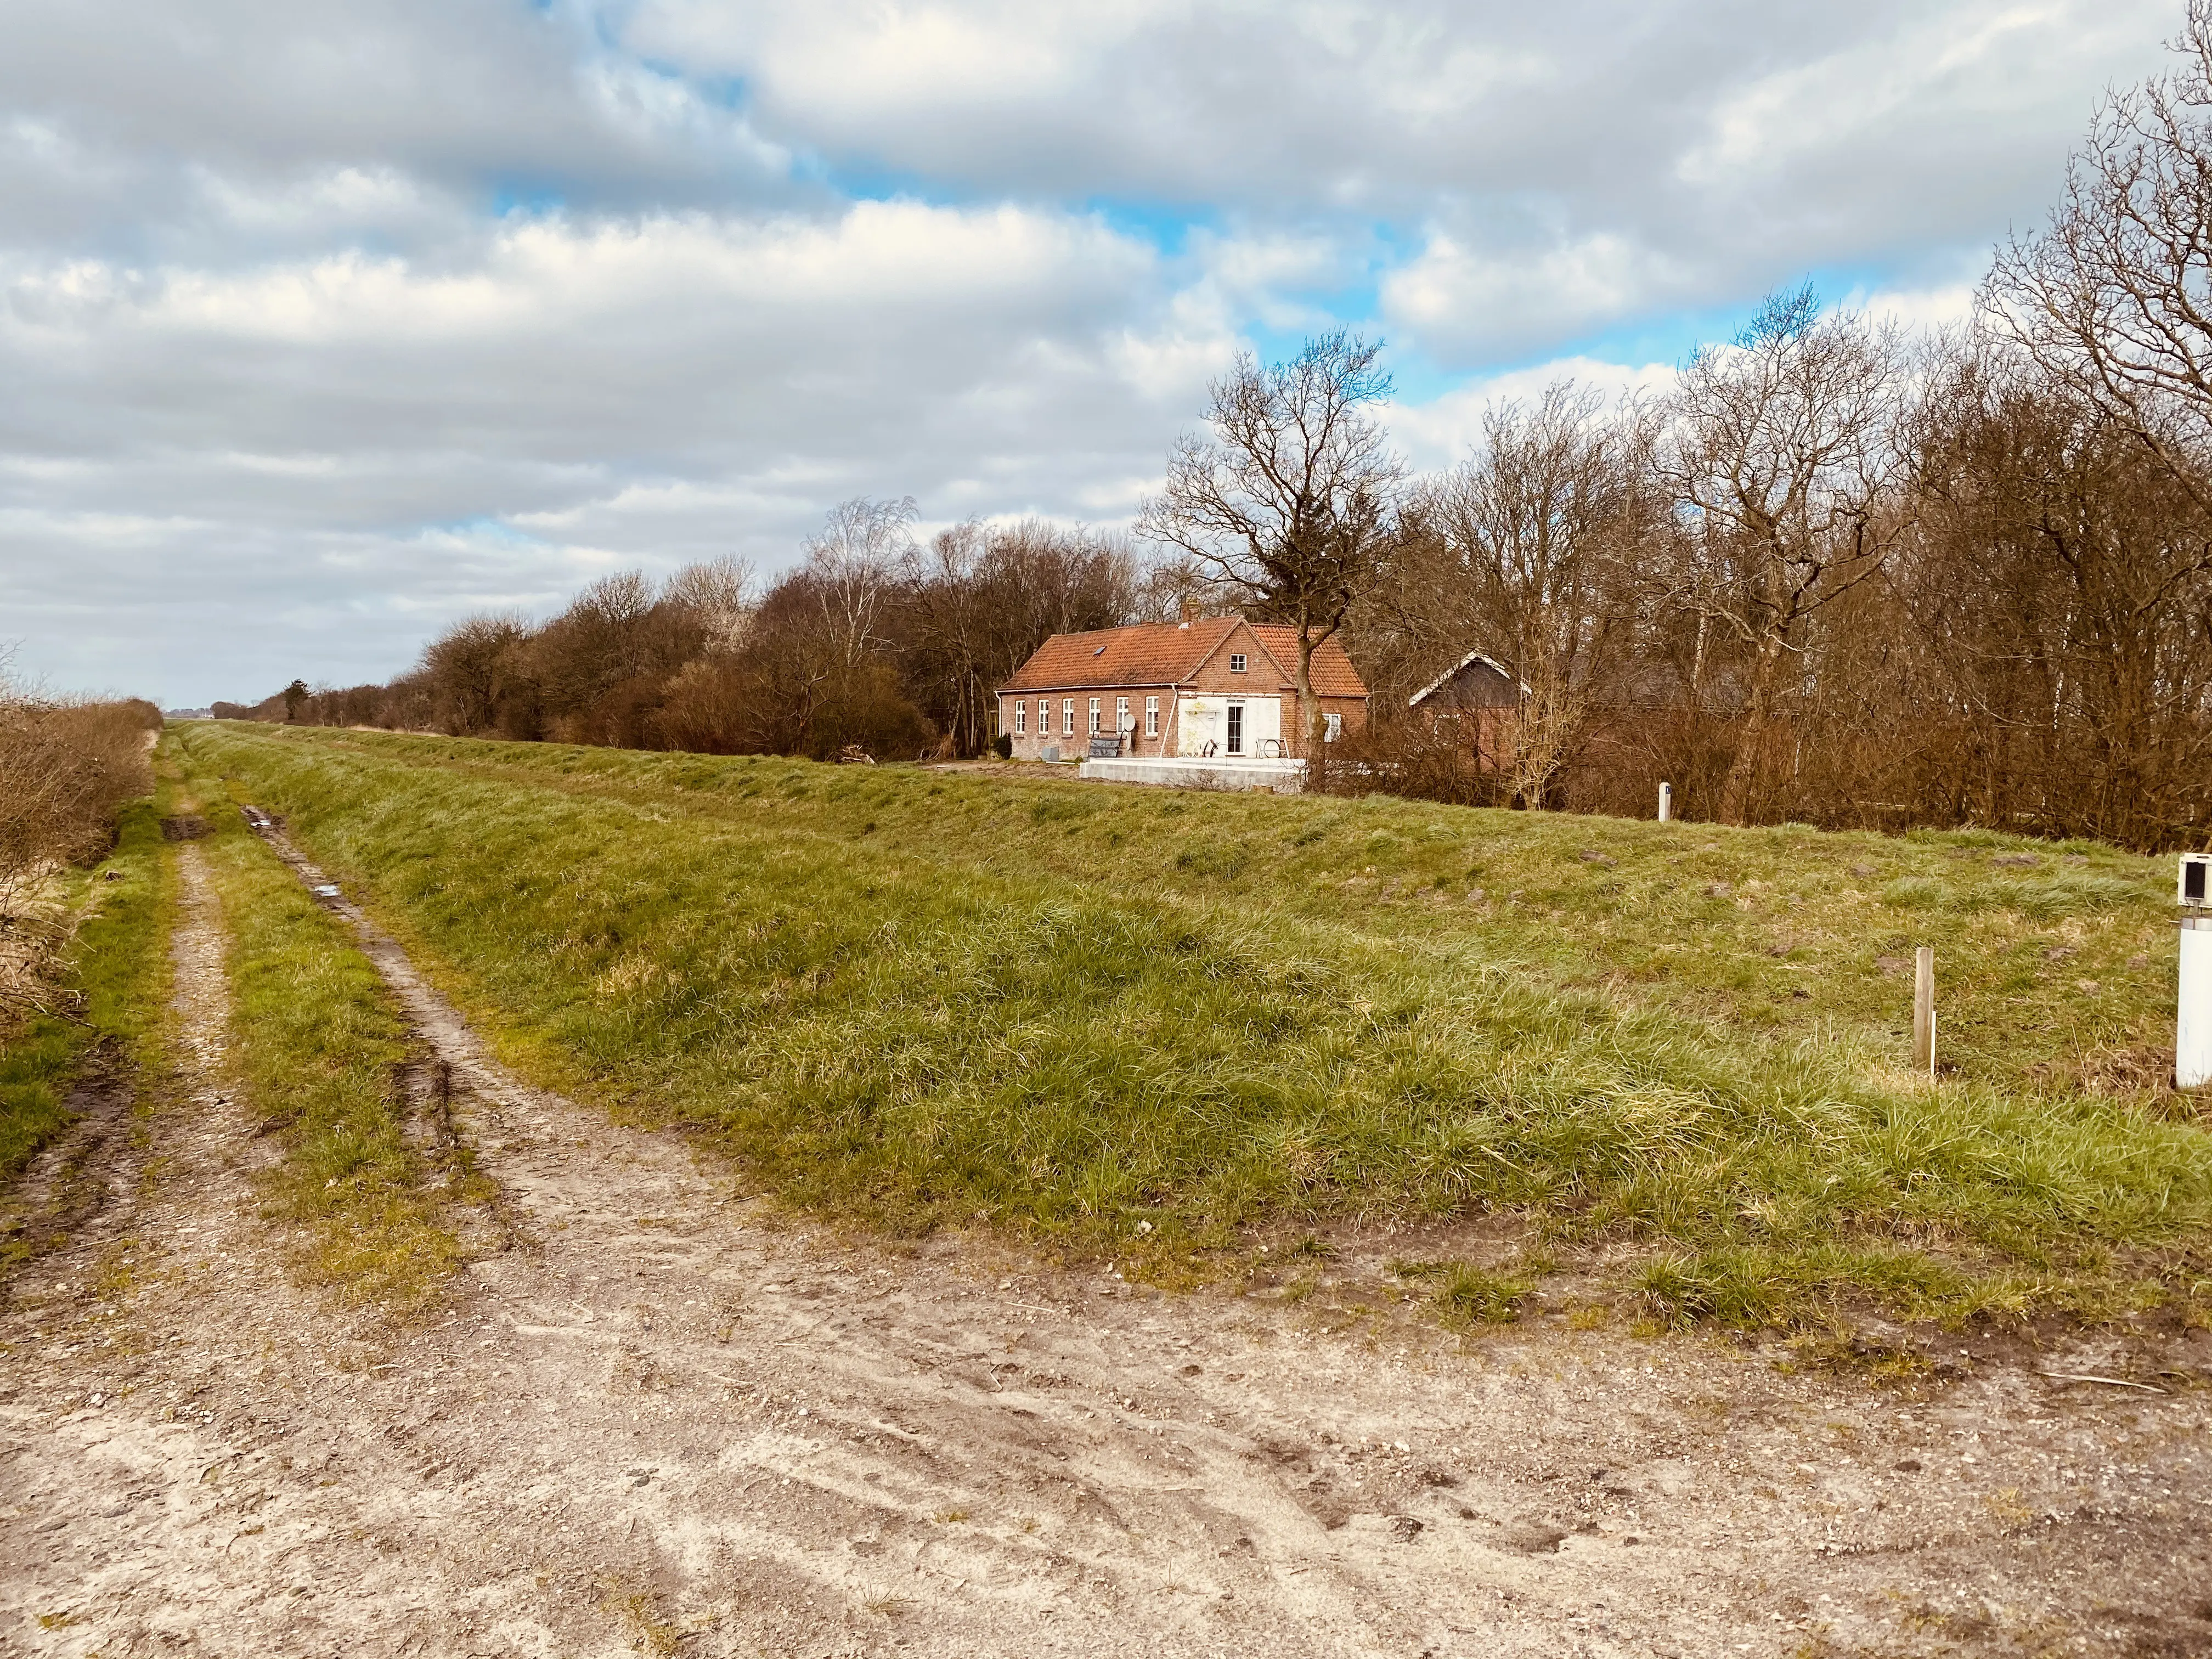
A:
(1176, 689)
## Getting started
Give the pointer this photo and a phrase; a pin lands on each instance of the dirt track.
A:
(655, 1420)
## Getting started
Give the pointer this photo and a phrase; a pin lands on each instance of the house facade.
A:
(1216, 686)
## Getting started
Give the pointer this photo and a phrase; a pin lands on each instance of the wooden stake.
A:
(1666, 802)
(1924, 1010)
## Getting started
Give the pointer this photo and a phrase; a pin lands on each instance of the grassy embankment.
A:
(116, 966)
(1147, 1021)
(316, 1044)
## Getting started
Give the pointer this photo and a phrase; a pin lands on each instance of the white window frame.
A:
(1021, 717)
(1232, 729)
(1121, 721)
(1067, 717)
(1236, 662)
(1152, 717)
(1333, 727)
(1094, 717)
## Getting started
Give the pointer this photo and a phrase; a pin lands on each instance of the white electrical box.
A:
(2193, 890)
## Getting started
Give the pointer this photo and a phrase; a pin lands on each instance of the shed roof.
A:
(1472, 660)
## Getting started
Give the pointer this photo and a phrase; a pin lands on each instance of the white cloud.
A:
(323, 319)
(1463, 300)
(1440, 432)
(661, 389)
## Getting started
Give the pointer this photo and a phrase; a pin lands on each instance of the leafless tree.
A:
(2061, 578)
(1778, 452)
(983, 597)
(855, 559)
(473, 668)
(2114, 296)
(719, 595)
(1292, 498)
(1532, 533)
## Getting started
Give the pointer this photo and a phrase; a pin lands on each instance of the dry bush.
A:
(65, 768)
(1411, 758)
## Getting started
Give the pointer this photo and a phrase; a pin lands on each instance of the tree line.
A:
(1836, 574)
(874, 640)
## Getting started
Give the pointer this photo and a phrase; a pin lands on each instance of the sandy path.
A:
(658, 1421)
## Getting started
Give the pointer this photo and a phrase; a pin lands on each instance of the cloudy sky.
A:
(323, 322)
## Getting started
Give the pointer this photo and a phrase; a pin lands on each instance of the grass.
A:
(317, 1043)
(116, 966)
(1468, 1295)
(1146, 1022)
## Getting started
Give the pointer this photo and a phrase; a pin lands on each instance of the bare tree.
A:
(1293, 499)
(2114, 296)
(1778, 452)
(855, 559)
(1533, 529)
(719, 595)
(973, 609)
(2062, 579)
(473, 668)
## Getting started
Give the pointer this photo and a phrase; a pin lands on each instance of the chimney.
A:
(1189, 612)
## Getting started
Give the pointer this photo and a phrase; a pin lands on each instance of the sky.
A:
(323, 323)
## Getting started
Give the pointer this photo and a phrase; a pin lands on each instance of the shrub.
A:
(65, 770)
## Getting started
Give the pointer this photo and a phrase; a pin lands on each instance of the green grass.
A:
(1466, 1294)
(316, 1042)
(117, 965)
(915, 1000)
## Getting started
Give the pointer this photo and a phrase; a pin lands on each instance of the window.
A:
(1235, 745)
(1236, 662)
(1021, 720)
(1067, 717)
(1333, 727)
(1152, 717)
(1094, 717)
(1121, 721)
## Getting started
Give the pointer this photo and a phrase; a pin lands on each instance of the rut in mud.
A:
(655, 1418)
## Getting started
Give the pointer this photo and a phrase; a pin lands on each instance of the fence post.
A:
(1666, 802)
(1924, 1010)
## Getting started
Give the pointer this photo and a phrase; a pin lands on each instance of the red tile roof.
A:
(1333, 676)
(1150, 654)
(1170, 654)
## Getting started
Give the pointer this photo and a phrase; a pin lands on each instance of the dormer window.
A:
(1236, 662)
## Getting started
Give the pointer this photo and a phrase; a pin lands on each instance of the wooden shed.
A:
(1480, 699)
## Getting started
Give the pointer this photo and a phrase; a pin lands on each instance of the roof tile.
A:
(1333, 672)
(1170, 654)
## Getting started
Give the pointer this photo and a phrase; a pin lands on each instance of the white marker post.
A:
(1924, 1010)
(1666, 802)
(2192, 1028)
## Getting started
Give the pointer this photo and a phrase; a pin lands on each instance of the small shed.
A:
(1478, 699)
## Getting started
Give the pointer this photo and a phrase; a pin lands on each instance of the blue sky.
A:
(326, 323)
